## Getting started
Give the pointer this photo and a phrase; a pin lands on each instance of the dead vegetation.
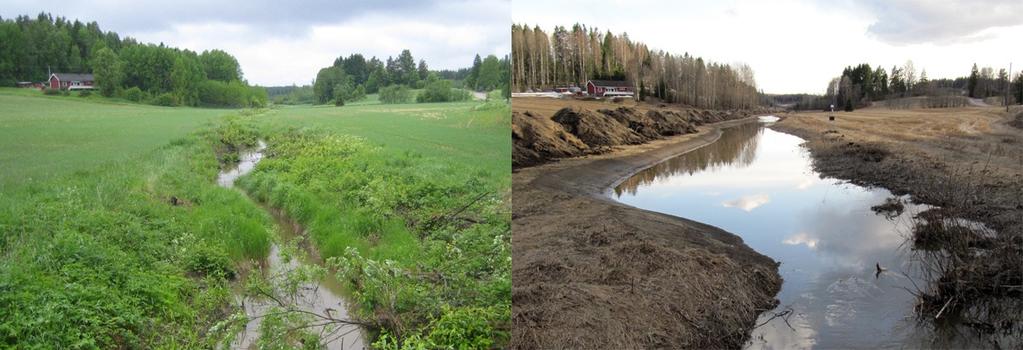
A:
(891, 208)
(1017, 121)
(969, 248)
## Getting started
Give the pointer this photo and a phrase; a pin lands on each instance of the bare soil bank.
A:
(589, 272)
(544, 129)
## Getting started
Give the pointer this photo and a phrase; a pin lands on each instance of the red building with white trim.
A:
(71, 81)
(610, 88)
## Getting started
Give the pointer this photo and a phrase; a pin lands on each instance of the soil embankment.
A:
(590, 272)
(580, 128)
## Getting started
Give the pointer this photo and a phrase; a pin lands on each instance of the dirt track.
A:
(589, 272)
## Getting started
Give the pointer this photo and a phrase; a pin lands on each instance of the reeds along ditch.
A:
(423, 244)
(972, 274)
(969, 276)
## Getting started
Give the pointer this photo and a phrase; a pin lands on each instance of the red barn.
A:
(71, 81)
(609, 88)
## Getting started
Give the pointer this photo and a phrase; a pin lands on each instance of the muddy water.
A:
(759, 184)
(323, 298)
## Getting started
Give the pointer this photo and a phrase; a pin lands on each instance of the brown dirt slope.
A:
(599, 126)
(589, 272)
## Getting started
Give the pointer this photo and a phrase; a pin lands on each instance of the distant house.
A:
(609, 88)
(567, 90)
(71, 81)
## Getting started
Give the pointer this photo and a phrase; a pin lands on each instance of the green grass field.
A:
(46, 136)
(468, 132)
(113, 233)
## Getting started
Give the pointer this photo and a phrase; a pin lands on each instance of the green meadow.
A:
(471, 133)
(114, 234)
(47, 136)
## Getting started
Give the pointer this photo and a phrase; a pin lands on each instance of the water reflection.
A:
(737, 146)
(759, 184)
(747, 203)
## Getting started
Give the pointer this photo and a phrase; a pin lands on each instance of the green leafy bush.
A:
(440, 90)
(51, 92)
(84, 93)
(165, 99)
(205, 259)
(231, 94)
(395, 94)
(133, 94)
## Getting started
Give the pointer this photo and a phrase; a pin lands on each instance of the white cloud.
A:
(942, 22)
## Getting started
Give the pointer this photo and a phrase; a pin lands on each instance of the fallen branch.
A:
(943, 308)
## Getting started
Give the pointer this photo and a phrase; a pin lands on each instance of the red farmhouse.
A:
(71, 81)
(609, 88)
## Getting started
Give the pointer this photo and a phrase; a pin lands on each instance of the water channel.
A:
(326, 297)
(759, 184)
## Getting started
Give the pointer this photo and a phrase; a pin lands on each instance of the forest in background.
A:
(32, 48)
(571, 57)
(351, 78)
(858, 86)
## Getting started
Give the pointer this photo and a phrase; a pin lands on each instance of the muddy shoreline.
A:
(590, 272)
(912, 168)
(970, 164)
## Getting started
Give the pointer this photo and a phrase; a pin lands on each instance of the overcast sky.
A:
(280, 42)
(797, 46)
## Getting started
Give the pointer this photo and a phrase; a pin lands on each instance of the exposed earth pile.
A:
(574, 131)
(591, 273)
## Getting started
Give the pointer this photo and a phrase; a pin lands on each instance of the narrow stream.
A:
(759, 184)
(324, 297)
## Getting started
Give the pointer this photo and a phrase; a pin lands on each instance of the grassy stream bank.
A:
(140, 250)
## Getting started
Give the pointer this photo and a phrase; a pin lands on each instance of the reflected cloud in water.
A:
(747, 203)
(801, 238)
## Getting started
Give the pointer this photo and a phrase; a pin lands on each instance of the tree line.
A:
(353, 77)
(858, 86)
(32, 48)
(571, 57)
